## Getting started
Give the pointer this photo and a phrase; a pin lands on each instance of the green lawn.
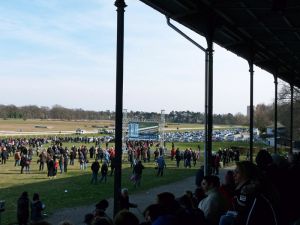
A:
(76, 182)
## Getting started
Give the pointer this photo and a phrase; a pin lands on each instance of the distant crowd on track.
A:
(57, 158)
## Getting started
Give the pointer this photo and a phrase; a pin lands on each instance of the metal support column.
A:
(250, 62)
(120, 4)
(292, 117)
(207, 154)
(206, 161)
(209, 101)
(275, 113)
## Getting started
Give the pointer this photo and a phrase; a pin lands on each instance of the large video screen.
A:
(143, 131)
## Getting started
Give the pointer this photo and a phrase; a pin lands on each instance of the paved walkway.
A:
(142, 199)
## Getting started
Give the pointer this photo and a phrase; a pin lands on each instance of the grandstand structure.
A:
(265, 33)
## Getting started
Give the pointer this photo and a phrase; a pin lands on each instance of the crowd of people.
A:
(266, 192)
(56, 158)
(29, 210)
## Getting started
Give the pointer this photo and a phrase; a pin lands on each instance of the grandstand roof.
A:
(271, 28)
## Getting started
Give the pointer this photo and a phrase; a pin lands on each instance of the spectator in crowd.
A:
(161, 164)
(125, 217)
(250, 205)
(23, 209)
(172, 213)
(4, 155)
(192, 214)
(173, 151)
(23, 162)
(124, 200)
(178, 157)
(95, 169)
(36, 208)
(42, 160)
(17, 156)
(227, 189)
(152, 212)
(61, 163)
(101, 207)
(50, 167)
(137, 171)
(213, 206)
(187, 156)
(198, 195)
(104, 171)
(199, 176)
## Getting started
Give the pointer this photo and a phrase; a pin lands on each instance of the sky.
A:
(55, 52)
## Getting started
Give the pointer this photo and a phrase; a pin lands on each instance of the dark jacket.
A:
(104, 169)
(95, 167)
(36, 210)
(253, 206)
(23, 209)
(138, 168)
(125, 204)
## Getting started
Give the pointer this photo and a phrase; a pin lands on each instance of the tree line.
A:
(62, 113)
(263, 114)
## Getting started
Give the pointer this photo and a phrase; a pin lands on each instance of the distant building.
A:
(281, 135)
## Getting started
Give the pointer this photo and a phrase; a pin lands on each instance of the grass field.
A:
(52, 125)
(76, 182)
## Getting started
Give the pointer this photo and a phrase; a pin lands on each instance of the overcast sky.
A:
(63, 52)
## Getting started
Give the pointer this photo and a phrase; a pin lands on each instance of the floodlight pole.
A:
(120, 4)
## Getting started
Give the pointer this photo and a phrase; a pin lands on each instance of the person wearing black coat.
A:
(23, 209)
(124, 200)
(137, 171)
(95, 168)
(36, 208)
